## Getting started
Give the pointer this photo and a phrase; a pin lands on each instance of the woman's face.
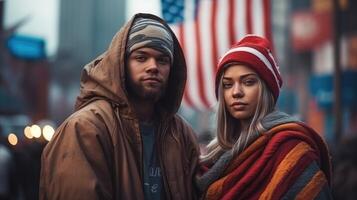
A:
(240, 86)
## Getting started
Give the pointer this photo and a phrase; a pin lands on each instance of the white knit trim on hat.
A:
(258, 55)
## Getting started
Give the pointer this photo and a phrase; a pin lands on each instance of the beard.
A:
(147, 92)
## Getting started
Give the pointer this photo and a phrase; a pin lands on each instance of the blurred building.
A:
(314, 27)
(86, 29)
(33, 89)
(38, 91)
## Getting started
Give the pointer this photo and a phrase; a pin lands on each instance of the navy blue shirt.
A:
(152, 180)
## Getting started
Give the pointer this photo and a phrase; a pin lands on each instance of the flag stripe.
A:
(206, 45)
(258, 17)
(249, 16)
(201, 82)
(240, 24)
(209, 28)
(231, 21)
(190, 53)
(267, 22)
(180, 33)
(214, 35)
(222, 30)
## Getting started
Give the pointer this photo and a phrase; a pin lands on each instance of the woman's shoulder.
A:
(277, 118)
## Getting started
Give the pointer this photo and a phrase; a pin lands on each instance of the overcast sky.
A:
(43, 17)
(149, 6)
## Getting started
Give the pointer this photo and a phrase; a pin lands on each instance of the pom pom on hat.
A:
(255, 52)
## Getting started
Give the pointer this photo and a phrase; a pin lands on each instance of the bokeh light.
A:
(36, 131)
(48, 132)
(12, 138)
(27, 132)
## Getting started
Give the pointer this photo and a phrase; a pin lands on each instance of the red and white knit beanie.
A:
(255, 52)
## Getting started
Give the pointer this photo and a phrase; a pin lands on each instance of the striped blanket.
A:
(290, 161)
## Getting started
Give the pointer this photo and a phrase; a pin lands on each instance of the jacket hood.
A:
(104, 77)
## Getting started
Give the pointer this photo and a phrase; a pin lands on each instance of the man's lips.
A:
(152, 79)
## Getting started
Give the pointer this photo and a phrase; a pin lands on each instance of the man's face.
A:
(148, 74)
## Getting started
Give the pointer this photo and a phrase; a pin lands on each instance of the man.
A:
(125, 140)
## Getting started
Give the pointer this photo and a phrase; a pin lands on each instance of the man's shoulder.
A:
(99, 110)
(95, 107)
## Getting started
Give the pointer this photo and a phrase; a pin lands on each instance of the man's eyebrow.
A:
(140, 52)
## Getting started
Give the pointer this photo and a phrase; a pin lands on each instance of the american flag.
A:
(205, 30)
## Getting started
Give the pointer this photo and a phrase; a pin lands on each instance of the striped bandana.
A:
(150, 33)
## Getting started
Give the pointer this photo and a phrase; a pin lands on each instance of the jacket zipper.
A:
(162, 148)
(141, 151)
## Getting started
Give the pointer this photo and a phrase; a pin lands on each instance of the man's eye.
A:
(163, 60)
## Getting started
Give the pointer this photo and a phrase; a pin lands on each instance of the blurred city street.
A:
(44, 44)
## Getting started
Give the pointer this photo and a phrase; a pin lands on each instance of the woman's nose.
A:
(237, 91)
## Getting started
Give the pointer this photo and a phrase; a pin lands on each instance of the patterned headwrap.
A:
(150, 33)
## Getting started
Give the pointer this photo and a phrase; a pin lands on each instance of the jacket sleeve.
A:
(76, 163)
(193, 152)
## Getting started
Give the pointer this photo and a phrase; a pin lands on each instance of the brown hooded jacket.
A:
(97, 152)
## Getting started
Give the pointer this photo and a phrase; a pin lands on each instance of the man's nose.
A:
(152, 66)
(237, 91)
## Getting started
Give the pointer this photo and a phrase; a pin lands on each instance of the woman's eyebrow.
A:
(225, 77)
(241, 77)
(247, 75)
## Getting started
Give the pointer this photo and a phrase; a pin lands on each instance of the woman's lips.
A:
(239, 105)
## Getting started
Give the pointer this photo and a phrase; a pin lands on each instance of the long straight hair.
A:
(230, 136)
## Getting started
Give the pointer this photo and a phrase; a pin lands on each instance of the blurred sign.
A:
(322, 5)
(42, 19)
(26, 47)
(325, 5)
(321, 87)
(352, 52)
(310, 29)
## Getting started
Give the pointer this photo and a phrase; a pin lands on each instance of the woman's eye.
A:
(249, 82)
(227, 85)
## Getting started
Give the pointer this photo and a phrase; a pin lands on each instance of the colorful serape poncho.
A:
(290, 161)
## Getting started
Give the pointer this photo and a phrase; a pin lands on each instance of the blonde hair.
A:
(230, 136)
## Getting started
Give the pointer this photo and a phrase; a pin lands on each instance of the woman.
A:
(260, 153)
